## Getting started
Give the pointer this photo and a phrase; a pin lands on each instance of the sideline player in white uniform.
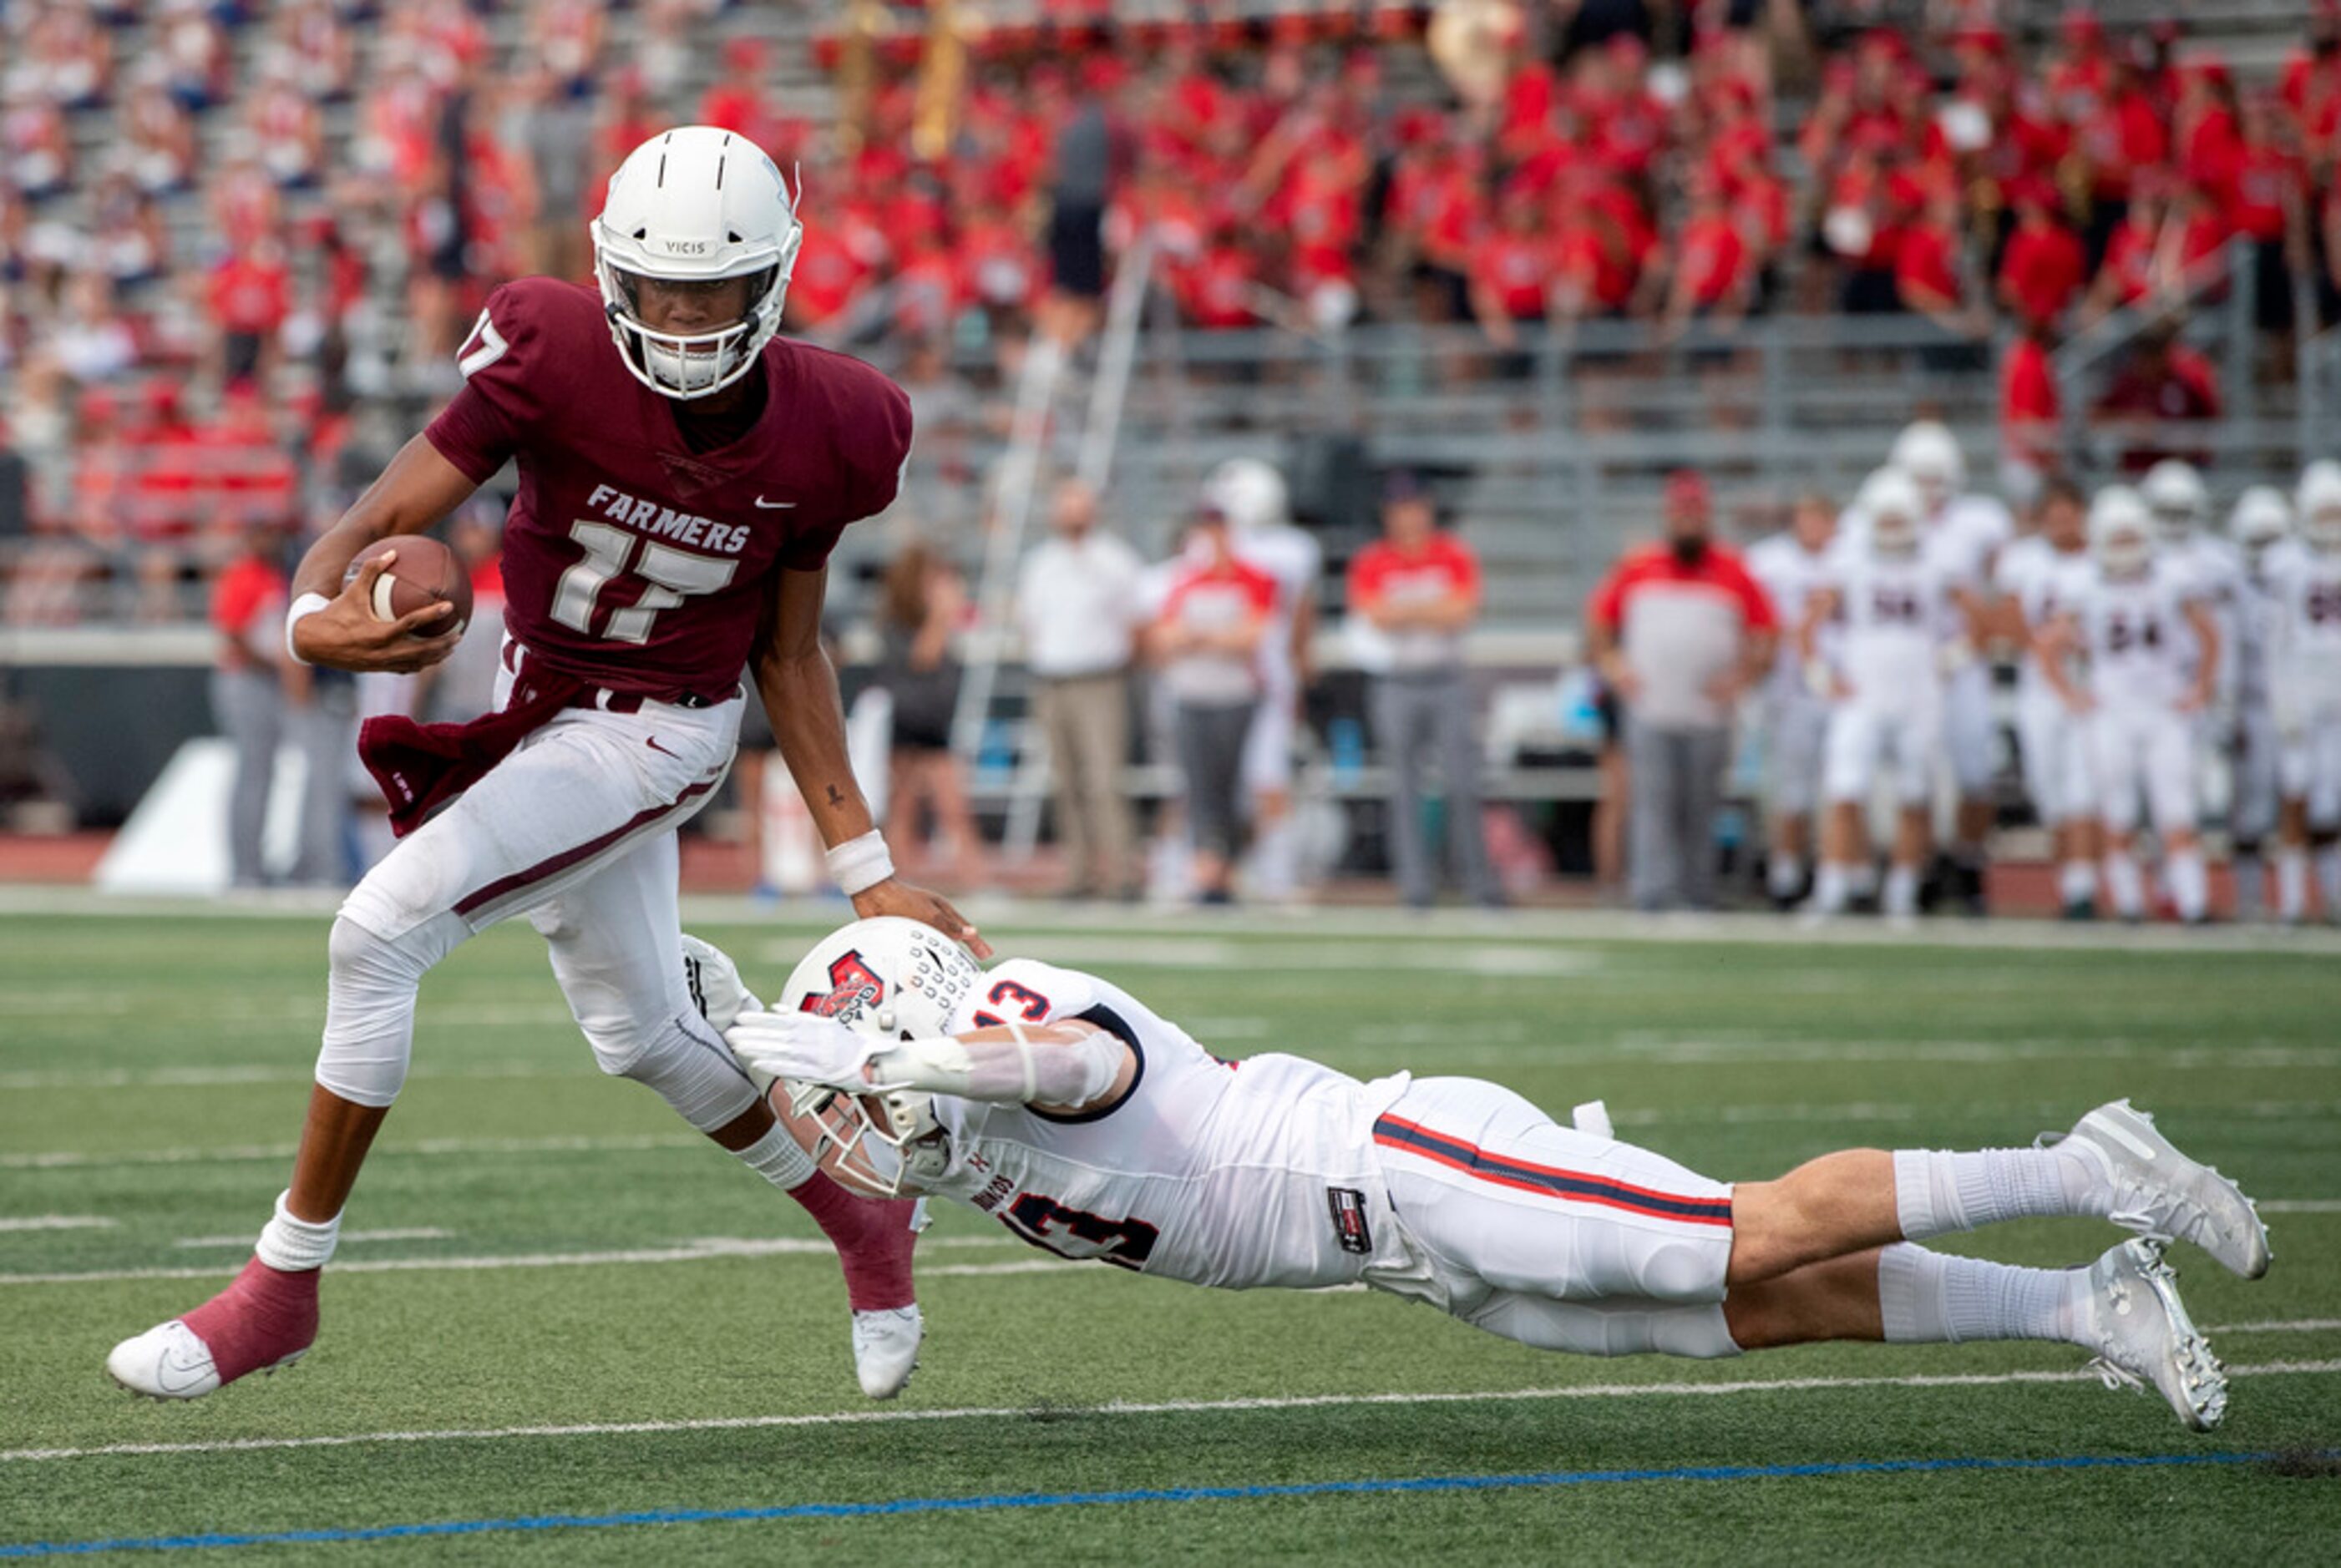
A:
(2305, 669)
(1964, 532)
(2261, 521)
(1091, 1126)
(1889, 601)
(1252, 494)
(1793, 566)
(2186, 542)
(2139, 700)
(2041, 574)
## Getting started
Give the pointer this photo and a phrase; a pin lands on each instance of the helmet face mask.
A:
(2174, 493)
(2261, 519)
(2121, 532)
(1890, 500)
(1930, 455)
(695, 205)
(892, 979)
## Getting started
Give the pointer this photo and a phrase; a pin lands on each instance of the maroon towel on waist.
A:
(422, 767)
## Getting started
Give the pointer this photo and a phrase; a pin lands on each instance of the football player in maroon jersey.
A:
(684, 474)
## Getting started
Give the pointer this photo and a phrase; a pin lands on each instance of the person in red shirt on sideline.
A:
(1679, 629)
(1206, 639)
(2042, 266)
(1416, 591)
(2030, 412)
(2163, 382)
(248, 700)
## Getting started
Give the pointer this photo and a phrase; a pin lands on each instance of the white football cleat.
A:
(886, 1349)
(2164, 1195)
(2143, 1338)
(167, 1362)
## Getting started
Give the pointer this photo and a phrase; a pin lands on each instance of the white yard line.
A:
(2300, 1206)
(405, 1233)
(235, 1152)
(1163, 1407)
(2288, 1326)
(58, 1222)
(702, 1250)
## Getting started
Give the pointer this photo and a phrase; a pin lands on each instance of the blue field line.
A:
(1166, 1495)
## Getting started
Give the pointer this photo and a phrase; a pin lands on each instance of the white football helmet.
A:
(1930, 455)
(1249, 492)
(2320, 504)
(892, 979)
(695, 204)
(2121, 532)
(2176, 495)
(1890, 504)
(2262, 517)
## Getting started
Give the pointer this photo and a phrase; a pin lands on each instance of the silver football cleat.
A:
(2162, 1194)
(2143, 1338)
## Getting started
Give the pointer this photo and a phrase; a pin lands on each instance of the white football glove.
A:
(803, 1048)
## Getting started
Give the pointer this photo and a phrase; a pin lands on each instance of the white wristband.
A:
(860, 864)
(307, 604)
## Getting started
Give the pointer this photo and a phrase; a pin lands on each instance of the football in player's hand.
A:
(425, 572)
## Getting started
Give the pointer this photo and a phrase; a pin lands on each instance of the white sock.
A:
(1939, 1190)
(776, 1158)
(2328, 879)
(2126, 886)
(2291, 883)
(1934, 1298)
(2077, 881)
(1862, 877)
(294, 1245)
(1275, 872)
(1901, 890)
(1783, 875)
(1831, 887)
(2190, 882)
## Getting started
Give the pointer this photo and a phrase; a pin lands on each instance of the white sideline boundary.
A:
(702, 1250)
(1162, 1408)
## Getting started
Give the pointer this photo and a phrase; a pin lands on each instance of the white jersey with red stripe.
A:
(1229, 1174)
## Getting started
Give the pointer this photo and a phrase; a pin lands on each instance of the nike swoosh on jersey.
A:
(772, 505)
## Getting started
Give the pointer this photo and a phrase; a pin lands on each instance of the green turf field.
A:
(558, 1303)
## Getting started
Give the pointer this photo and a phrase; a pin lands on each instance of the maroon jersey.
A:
(630, 560)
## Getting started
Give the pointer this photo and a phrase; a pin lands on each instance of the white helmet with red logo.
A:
(695, 204)
(892, 979)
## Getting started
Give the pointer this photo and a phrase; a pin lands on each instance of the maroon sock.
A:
(264, 1317)
(873, 1237)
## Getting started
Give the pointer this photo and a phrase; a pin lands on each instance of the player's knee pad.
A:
(369, 1003)
(684, 1062)
(1602, 1328)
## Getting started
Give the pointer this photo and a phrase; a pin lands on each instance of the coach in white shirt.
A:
(1080, 605)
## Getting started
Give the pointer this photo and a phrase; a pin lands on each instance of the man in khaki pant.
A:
(1077, 604)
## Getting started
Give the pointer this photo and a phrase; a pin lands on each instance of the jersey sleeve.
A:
(1755, 603)
(481, 429)
(1026, 991)
(873, 444)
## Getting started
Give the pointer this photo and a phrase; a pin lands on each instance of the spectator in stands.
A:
(1679, 630)
(250, 295)
(2163, 383)
(556, 146)
(158, 137)
(90, 340)
(1081, 188)
(1419, 588)
(922, 611)
(248, 689)
(1929, 278)
(2043, 266)
(1079, 606)
(1207, 640)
